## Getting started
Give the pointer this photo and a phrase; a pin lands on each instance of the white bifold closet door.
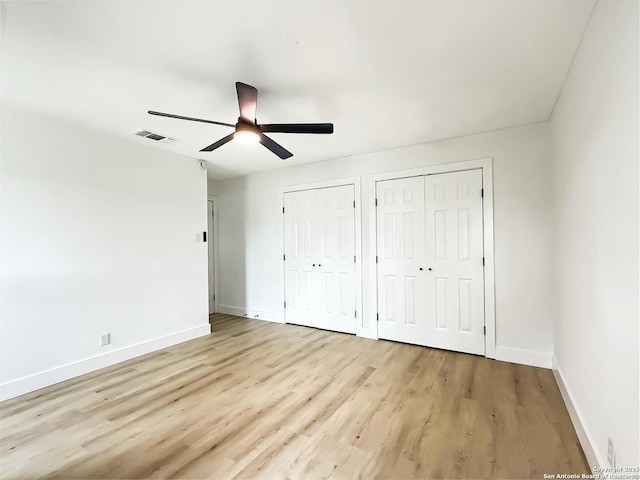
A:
(319, 258)
(430, 261)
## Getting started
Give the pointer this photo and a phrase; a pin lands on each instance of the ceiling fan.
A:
(247, 127)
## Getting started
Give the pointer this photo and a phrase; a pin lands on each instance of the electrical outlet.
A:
(611, 454)
(105, 339)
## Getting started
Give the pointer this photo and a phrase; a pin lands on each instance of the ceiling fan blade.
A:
(219, 143)
(247, 100)
(170, 115)
(275, 147)
(297, 127)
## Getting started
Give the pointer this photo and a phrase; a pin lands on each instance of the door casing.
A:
(486, 165)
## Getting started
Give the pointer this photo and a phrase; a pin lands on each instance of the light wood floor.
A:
(264, 400)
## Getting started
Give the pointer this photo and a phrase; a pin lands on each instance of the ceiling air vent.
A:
(153, 136)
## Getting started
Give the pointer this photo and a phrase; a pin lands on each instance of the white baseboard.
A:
(54, 375)
(577, 420)
(257, 314)
(533, 358)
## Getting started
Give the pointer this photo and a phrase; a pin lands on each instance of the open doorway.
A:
(211, 245)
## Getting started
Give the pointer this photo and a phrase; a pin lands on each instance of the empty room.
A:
(391, 239)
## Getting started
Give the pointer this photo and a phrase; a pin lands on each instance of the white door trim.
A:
(486, 164)
(355, 181)
(212, 198)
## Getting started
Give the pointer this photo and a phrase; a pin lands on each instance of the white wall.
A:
(595, 179)
(250, 231)
(211, 187)
(97, 234)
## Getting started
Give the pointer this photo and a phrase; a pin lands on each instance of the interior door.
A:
(401, 260)
(320, 258)
(430, 261)
(453, 204)
(299, 220)
(211, 257)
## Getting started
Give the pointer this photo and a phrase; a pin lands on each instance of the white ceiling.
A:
(387, 73)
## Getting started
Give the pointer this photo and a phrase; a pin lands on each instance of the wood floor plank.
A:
(263, 400)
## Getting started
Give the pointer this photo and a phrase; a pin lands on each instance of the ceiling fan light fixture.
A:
(246, 136)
